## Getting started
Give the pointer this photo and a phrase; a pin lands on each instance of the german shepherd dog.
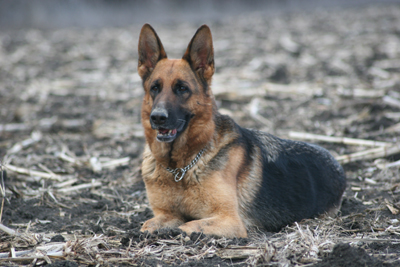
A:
(203, 172)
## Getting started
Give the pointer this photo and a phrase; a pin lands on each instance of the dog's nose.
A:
(159, 116)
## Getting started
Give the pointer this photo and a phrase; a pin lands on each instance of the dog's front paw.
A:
(190, 228)
(161, 222)
(216, 227)
(150, 226)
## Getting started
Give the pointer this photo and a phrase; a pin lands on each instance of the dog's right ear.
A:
(150, 51)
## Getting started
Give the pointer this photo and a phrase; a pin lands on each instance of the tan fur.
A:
(248, 185)
(201, 195)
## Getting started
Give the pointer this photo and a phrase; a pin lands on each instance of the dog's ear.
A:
(150, 51)
(200, 53)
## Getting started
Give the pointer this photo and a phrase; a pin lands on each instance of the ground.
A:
(71, 138)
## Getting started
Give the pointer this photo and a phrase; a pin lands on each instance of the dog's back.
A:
(297, 180)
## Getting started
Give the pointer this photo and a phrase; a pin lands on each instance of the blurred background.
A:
(273, 58)
(278, 57)
(98, 13)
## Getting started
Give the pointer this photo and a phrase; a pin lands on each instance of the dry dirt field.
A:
(71, 138)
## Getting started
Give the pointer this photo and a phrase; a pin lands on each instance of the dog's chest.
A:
(188, 197)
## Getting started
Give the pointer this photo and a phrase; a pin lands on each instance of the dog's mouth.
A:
(166, 135)
(169, 135)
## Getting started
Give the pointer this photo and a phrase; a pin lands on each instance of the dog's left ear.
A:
(200, 53)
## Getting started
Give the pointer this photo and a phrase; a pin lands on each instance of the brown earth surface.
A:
(71, 138)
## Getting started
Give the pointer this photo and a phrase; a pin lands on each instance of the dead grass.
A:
(71, 139)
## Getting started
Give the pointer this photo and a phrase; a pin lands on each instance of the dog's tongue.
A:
(166, 131)
(163, 131)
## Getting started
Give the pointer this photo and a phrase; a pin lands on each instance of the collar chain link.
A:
(180, 172)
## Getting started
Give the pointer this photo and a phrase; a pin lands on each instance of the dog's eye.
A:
(182, 89)
(155, 89)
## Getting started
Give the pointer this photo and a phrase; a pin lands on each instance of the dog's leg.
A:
(215, 201)
(161, 220)
(227, 226)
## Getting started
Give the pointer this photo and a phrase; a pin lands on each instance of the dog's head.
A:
(176, 90)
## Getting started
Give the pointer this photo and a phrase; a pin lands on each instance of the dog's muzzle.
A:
(159, 121)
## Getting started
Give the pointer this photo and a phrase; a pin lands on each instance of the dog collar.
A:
(180, 172)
